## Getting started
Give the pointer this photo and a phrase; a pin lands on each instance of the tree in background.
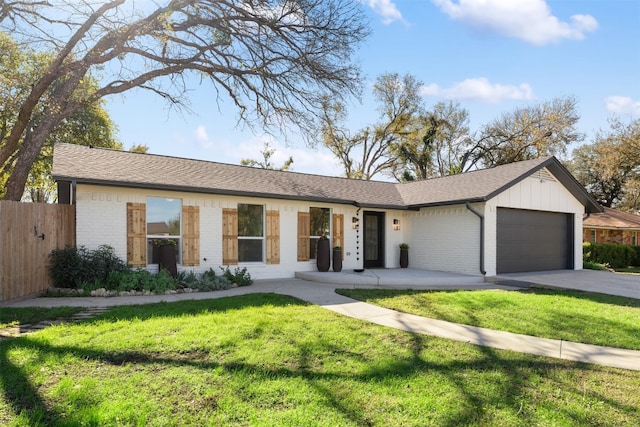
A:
(609, 167)
(267, 152)
(275, 61)
(370, 151)
(526, 133)
(433, 144)
(89, 125)
(139, 148)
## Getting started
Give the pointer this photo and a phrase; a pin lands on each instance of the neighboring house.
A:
(611, 226)
(523, 216)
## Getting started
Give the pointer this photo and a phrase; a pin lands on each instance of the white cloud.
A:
(386, 9)
(202, 138)
(481, 89)
(529, 20)
(623, 105)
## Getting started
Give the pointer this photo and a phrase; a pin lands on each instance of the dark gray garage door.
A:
(534, 241)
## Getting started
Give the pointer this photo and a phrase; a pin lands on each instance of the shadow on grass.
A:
(25, 398)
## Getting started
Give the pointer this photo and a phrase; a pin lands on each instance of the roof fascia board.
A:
(447, 203)
(518, 179)
(564, 176)
(228, 193)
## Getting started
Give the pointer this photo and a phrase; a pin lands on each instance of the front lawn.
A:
(568, 315)
(271, 360)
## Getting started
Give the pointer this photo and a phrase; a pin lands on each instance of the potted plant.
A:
(337, 259)
(323, 254)
(404, 255)
(167, 256)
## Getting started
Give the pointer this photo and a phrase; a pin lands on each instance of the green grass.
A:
(628, 270)
(567, 315)
(10, 316)
(271, 360)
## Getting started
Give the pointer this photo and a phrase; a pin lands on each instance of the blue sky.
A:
(491, 56)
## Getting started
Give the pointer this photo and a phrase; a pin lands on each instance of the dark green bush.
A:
(637, 250)
(65, 268)
(240, 276)
(617, 256)
(73, 267)
(103, 261)
(80, 268)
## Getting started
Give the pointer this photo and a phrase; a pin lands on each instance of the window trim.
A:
(313, 239)
(262, 238)
(177, 238)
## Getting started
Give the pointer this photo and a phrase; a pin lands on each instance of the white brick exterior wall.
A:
(445, 238)
(101, 219)
(440, 238)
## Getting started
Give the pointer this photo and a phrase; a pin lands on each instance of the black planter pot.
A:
(167, 259)
(323, 255)
(404, 258)
(337, 261)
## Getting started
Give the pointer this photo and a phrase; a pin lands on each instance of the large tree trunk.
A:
(28, 153)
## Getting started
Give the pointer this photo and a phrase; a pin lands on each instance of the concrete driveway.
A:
(603, 282)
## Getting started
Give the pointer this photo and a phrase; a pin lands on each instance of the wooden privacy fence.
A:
(28, 233)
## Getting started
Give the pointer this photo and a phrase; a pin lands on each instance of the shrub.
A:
(161, 282)
(617, 256)
(590, 265)
(186, 279)
(209, 281)
(240, 276)
(73, 267)
(103, 261)
(65, 268)
(637, 250)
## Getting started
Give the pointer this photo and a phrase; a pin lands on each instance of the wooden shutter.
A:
(273, 237)
(229, 236)
(338, 231)
(137, 235)
(303, 236)
(190, 236)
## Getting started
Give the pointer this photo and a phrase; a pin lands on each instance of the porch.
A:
(404, 278)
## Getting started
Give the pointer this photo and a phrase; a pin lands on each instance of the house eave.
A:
(223, 192)
(446, 203)
(554, 166)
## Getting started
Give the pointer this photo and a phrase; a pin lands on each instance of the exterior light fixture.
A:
(396, 224)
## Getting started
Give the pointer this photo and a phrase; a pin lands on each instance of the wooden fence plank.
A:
(28, 233)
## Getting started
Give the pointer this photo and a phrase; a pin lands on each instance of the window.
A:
(319, 219)
(592, 236)
(250, 233)
(164, 222)
(634, 238)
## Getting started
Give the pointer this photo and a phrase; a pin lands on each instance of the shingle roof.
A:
(612, 218)
(110, 167)
(477, 185)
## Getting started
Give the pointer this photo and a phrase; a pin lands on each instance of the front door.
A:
(373, 239)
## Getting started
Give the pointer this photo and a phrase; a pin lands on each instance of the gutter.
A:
(479, 215)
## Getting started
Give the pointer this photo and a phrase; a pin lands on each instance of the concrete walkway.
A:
(324, 295)
(602, 282)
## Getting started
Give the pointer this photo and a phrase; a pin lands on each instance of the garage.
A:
(533, 241)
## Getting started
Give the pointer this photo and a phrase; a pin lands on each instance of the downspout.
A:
(74, 184)
(479, 215)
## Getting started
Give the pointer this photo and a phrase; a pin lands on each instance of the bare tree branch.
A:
(274, 60)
